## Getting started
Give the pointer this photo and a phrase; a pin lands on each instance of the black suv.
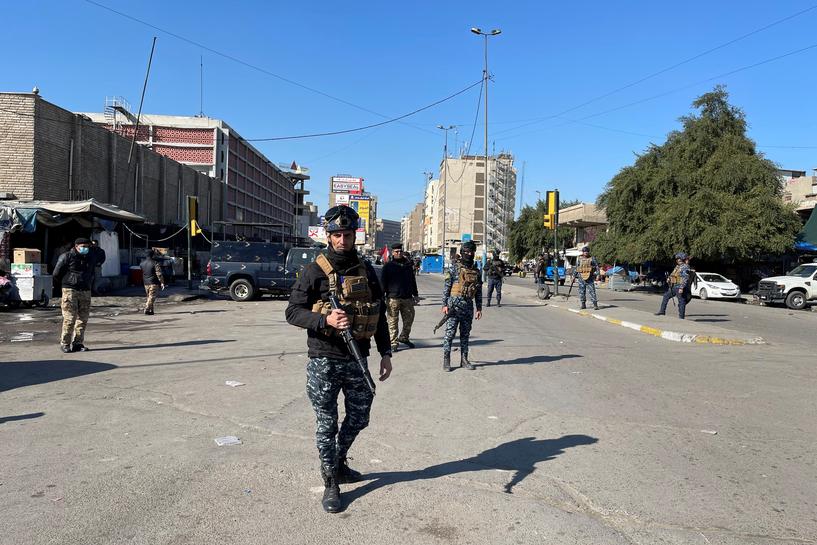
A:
(251, 269)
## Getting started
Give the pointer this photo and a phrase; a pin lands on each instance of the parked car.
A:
(795, 289)
(247, 270)
(713, 286)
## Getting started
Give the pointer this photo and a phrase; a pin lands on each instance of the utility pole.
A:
(486, 79)
(444, 173)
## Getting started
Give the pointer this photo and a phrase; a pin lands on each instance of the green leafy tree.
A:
(528, 236)
(706, 191)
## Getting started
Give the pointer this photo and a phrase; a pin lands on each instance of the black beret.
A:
(81, 240)
(397, 246)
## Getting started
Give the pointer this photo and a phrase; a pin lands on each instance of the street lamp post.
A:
(445, 196)
(479, 32)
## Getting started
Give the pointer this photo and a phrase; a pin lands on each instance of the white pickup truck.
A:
(796, 289)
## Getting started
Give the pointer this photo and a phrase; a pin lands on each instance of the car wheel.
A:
(543, 292)
(242, 290)
(796, 300)
(703, 295)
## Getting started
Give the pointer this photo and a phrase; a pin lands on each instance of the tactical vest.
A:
(466, 284)
(675, 276)
(354, 295)
(584, 266)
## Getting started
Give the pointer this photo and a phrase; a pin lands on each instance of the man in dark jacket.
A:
(400, 286)
(152, 278)
(75, 272)
(331, 368)
(496, 275)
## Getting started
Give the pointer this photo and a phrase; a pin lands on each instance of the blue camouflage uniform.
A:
(676, 284)
(588, 285)
(460, 309)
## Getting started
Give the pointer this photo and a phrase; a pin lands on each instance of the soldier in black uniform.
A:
(496, 275)
(331, 367)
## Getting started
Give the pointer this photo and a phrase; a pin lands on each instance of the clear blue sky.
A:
(392, 58)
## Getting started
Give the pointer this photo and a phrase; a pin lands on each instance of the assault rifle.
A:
(351, 344)
(449, 314)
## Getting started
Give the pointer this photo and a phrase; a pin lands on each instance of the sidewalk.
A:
(135, 295)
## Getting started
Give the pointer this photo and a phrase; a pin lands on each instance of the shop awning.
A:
(25, 215)
(807, 238)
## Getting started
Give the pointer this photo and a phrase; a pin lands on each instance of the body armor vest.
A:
(675, 276)
(355, 297)
(584, 266)
(466, 284)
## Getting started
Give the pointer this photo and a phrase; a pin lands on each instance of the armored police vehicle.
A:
(247, 270)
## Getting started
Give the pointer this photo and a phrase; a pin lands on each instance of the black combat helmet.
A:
(341, 218)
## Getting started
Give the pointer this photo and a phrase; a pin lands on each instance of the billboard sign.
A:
(342, 198)
(347, 184)
(363, 207)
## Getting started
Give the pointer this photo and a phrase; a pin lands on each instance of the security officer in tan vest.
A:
(331, 368)
(586, 271)
(462, 291)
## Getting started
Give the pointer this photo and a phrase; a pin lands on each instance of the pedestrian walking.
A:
(676, 285)
(587, 268)
(400, 287)
(74, 271)
(332, 368)
(463, 290)
(152, 278)
(496, 275)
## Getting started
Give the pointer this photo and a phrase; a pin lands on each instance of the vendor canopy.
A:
(807, 238)
(26, 214)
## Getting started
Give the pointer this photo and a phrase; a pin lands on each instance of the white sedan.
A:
(712, 285)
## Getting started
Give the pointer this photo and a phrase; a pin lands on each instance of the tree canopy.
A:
(706, 191)
(527, 236)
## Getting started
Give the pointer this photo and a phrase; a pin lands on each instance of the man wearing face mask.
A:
(75, 272)
(332, 368)
(463, 289)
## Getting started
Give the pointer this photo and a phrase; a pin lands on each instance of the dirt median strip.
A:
(665, 334)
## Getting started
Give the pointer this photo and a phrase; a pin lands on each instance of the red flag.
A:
(385, 254)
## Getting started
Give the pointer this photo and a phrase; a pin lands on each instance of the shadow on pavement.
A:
(710, 320)
(196, 311)
(27, 373)
(519, 456)
(455, 344)
(4, 419)
(165, 345)
(530, 360)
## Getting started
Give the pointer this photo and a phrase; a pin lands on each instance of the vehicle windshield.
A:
(301, 256)
(711, 277)
(803, 271)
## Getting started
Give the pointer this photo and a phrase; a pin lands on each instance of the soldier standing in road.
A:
(496, 275)
(676, 284)
(331, 368)
(463, 288)
(75, 272)
(152, 278)
(400, 286)
(587, 268)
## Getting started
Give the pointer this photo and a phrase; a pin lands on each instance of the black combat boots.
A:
(446, 361)
(331, 491)
(346, 474)
(465, 363)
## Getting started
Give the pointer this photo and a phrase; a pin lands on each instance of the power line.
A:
(659, 72)
(470, 140)
(371, 126)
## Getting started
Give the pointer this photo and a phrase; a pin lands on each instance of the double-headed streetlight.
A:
(444, 173)
(479, 32)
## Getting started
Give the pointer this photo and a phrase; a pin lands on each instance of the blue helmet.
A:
(680, 255)
(586, 249)
(341, 218)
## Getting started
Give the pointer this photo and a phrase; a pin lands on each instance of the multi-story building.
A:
(388, 233)
(800, 190)
(345, 189)
(432, 235)
(258, 191)
(468, 214)
(411, 229)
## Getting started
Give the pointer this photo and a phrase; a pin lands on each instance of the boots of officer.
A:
(346, 474)
(465, 363)
(331, 491)
(446, 361)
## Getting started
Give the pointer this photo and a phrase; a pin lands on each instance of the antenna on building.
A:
(522, 189)
(201, 86)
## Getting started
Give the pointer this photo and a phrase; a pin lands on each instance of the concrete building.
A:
(411, 227)
(257, 190)
(801, 190)
(586, 219)
(432, 207)
(388, 233)
(345, 189)
(50, 154)
(462, 189)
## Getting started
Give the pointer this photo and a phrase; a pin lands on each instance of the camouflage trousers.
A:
(325, 379)
(462, 317)
(394, 309)
(586, 286)
(76, 307)
(495, 284)
(152, 291)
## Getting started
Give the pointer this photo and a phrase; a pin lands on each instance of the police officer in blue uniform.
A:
(676, 284)
(462, 291)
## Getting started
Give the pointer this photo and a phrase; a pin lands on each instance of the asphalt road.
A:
(570, 431)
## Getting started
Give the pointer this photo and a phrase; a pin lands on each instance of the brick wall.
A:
(17, 144)
(35, 163)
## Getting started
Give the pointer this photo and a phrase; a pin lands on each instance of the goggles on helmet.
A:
(340, 218)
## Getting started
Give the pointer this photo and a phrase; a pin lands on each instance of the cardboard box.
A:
(27, 269)
(27, 255)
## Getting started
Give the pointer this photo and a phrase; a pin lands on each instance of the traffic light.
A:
(549, 223)
(553, 206)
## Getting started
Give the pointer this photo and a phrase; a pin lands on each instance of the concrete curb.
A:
(666, 335)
